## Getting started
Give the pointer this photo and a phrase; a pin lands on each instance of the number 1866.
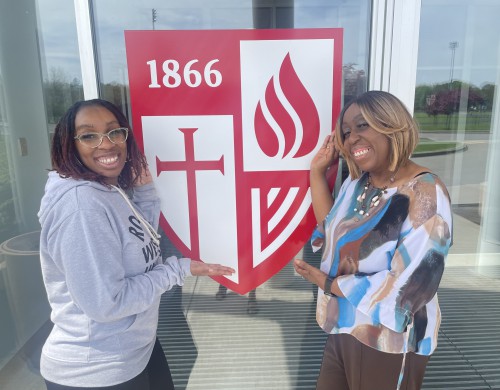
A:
(173, 77)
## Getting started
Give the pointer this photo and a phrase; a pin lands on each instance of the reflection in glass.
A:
(38, 80)
(113, 17)
(8, 226)
(454, 103)
(269, 339)
(458, 108)
(62, 79)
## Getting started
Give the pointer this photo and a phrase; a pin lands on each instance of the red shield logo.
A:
(229, 122)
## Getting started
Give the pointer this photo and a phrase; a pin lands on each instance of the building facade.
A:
(441, 57)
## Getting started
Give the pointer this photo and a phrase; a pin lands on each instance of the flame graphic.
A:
(301, 134)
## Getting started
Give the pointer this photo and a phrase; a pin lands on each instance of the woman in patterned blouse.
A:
(385, 240)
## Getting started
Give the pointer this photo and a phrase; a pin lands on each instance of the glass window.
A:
(457, 79)
(457, 106)
(62, 77)
(215, 338)
(112, 17)
(39, 79)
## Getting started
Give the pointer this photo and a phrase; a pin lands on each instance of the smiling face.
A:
(108, 159)
(369, 149)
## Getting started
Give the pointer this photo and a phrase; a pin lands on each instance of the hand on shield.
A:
(198, 268)
(144, 178)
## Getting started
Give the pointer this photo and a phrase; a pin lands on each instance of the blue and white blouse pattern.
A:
(388, 263)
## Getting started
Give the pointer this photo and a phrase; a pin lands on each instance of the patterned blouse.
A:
(389, 263)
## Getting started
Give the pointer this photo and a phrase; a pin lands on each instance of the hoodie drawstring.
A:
(150, 230)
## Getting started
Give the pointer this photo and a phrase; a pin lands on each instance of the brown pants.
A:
(350, 365)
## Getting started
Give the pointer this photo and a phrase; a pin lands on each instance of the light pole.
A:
(153, 16)
(453, 46)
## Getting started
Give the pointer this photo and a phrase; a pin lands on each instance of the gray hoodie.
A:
(104, 277)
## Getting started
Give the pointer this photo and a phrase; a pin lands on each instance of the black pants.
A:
(156, 376)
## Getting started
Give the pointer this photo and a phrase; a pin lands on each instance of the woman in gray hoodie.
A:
(101, 259)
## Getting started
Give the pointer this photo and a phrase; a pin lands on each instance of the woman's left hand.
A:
(309, 272)
(198, 268)
(145, 178)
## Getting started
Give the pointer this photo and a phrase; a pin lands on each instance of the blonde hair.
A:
(387, 115)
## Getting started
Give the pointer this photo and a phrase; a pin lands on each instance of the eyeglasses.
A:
(94, 140)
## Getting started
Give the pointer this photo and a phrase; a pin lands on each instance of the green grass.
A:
(474, 121)
(427, 145)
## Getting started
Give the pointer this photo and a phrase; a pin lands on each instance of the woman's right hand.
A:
(325, 156)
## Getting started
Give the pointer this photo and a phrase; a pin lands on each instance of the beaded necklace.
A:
(364, 203)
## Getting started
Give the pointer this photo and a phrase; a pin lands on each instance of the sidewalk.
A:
(222, 347)
(214, 344)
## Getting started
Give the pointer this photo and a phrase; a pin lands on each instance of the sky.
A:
(473, 24)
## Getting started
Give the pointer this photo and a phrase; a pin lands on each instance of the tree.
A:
(488, 93)
(422, 95)
(446, 98)
(354, 80)
(60, 93)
